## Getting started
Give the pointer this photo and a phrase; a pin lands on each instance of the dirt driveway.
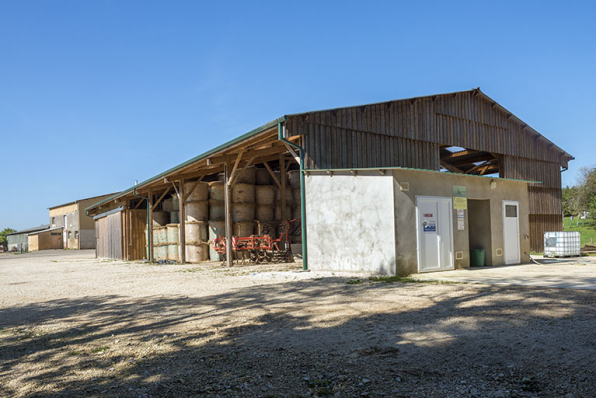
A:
(71, 326)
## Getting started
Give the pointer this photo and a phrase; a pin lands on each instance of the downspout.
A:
(134, 192)
(302, 195)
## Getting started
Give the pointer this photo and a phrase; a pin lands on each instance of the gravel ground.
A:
(71, 325)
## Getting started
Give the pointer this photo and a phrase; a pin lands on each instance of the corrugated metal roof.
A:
(30, 230)
(202, 156)
(271, 124)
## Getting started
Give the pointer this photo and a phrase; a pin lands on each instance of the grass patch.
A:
(355, 282)
(101, 349)
(586, 229)
(74, 353)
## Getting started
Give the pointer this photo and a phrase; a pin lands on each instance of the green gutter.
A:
(302, 196)
(202, 156)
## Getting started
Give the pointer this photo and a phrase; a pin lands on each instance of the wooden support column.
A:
(228, 214)
(182, 226)
(284, 200)
(150, 226)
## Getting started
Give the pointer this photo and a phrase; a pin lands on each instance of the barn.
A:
(397, 187)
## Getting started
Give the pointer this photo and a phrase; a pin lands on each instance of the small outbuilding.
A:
(19, 241)
(47, 239)
(397, 187)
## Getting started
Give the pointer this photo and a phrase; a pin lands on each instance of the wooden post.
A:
(228, 214)
(284, 201)
(150, 226)
(182, 226)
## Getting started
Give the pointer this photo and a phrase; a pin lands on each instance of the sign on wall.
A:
(460, 198)
(460, 220)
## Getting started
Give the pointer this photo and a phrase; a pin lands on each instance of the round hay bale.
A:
(263, 177)
(173, 253)
(294, 178)
(278, 212)
(197, 253)
(245, 228)
(247, 176)
(265, 194)
(296, 194)
(217, 190)
(160, 218)
(217, 228)
(161, 233)
(265, 212)
(243, 212)
(217, 210)
(196, 232)
(170, 204)
(174, 217)
(172, 233)
(160, 252)
(243, 193)
(289, 196)
(200, 192)
(197, 210)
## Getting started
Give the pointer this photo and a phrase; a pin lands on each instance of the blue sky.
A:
(97, 94)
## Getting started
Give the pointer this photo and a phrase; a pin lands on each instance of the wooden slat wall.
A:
(109, 231)
(136, 238)
(462, 120)
(408, 133)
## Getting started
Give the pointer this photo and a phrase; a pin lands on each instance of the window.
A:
(76, 234)
(69, 234)
(510, 211)
(53, 221)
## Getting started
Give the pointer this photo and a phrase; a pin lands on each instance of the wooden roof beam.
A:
(450, 168)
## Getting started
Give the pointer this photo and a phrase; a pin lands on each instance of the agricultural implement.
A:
(259, 248)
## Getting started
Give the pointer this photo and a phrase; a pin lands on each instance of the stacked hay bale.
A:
(217, 225)
(196, 210)
(160, 232)
(172, 206)
(243, 205)
(173, 242)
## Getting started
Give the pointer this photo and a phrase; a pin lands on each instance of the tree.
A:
(586, 191)
(5, 232)
(570, 201)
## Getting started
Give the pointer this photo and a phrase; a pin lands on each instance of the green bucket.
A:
(477, 258)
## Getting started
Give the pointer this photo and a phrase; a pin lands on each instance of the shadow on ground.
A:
(313, 338)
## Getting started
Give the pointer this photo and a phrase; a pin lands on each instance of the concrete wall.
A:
(479, 227)
(72, 224)
(441, 184)
(367, 222)
(87, 239)
(350, 222)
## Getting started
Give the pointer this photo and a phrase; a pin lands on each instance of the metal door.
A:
(511, 246)
(434, 224)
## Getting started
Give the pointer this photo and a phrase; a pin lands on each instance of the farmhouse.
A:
(403, 186)
(78, 229)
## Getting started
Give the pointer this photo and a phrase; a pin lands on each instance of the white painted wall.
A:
(350, 222)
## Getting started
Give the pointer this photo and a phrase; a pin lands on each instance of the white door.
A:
(434, 225)
(511, 247)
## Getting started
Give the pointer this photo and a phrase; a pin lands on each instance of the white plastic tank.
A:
(562, 244)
